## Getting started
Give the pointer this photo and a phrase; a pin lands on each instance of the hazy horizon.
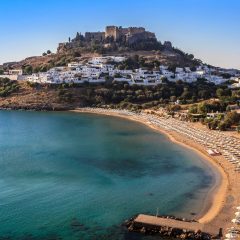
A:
(207, 29)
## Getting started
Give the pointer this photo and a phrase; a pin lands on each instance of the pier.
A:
(167, 226)
(168, 222)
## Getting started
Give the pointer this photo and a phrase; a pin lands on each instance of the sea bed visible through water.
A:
(80, 176)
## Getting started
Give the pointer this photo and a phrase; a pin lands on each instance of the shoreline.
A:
(216, 196)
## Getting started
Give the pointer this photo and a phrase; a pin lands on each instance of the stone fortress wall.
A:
(131, 34)
(99, 36)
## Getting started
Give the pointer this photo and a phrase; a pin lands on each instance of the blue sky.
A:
(207, 28)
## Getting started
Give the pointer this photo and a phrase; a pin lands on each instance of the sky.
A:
(209, 29)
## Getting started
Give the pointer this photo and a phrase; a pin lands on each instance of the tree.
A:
(186, 94)
(193, 109)
(232, 118)
(214, 124)
(108, 79)
(76, 54)
(204, 94)
(222, 126)
(36, 69)
(49, 52)
(173, 98)
(78, 37)
(28, 69)
(190, 56)
(219, 92)
(172, 68)
(44, 54)
(193, 69)
(226, 75)
(202, 108)
(7, 87)
(43, 68)
(222, 93)
(164, 80)
(238, 128)
(194, 98)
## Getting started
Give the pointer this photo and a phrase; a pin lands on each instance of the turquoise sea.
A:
(79, 176)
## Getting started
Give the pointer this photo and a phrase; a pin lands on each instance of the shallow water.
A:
(79, 176)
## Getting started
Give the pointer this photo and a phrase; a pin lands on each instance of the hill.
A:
(26, 95)
(114, 41)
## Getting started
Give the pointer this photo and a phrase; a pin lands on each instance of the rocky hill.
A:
(114, 41)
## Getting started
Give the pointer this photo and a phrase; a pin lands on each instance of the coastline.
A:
(211, 213)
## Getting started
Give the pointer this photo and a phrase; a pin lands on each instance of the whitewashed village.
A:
(99, 69)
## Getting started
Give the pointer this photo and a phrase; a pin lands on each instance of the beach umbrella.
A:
(233, 230)
(237, 221)
(231, 235)
(237, 213)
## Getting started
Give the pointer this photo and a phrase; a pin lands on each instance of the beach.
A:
(223, 197)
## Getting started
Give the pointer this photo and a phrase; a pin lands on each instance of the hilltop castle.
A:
(130, 34)
(127, 36)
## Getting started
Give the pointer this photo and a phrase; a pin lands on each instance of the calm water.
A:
(79, 176)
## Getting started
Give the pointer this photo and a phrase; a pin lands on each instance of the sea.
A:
(73, 176)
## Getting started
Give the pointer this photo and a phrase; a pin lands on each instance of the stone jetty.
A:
(167, 226)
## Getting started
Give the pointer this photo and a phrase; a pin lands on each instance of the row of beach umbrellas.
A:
(234, 232)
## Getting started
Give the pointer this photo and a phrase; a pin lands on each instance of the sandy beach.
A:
(223, 197)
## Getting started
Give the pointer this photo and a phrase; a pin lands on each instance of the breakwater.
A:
(168, 226)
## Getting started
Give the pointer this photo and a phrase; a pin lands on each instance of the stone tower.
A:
(112, 31)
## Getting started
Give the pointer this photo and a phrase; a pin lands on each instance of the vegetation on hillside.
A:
(7, 87)
(200, 98)
(145, 96)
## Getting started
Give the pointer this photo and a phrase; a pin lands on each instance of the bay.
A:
(80, 176)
